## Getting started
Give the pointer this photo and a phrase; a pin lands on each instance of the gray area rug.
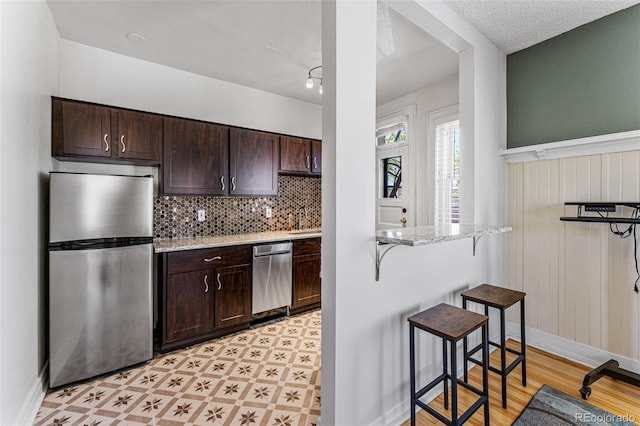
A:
(554, 408)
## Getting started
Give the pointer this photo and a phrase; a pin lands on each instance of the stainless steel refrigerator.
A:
(100, 274)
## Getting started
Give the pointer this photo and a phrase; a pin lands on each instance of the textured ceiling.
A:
(514, 25)
(271, 44)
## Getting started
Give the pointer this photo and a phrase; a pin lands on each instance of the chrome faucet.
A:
(301, 221)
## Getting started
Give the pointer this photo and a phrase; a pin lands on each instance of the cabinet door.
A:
(189, 305)
(316, 157)
(294, 154)
(138, 135)
(80, 129)
(306, 280)
(233, 298)
(195, 158)
(253, 163)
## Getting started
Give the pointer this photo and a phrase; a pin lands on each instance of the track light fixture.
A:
(311, 77)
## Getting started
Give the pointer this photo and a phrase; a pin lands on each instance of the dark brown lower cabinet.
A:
(233, 296)
(307, 283)
(205, 294)
(190, 305)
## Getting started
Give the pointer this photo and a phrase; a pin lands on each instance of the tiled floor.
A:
(265, 376)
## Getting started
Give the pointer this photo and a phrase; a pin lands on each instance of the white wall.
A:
(29, 74)
(433, 97)
(365, 377)
(104, 77)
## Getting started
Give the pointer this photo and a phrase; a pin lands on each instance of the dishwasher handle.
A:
(272, 249)
(271, 253)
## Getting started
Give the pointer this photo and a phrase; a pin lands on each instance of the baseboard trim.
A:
(401, 412)
(32, 403)
(569, 349)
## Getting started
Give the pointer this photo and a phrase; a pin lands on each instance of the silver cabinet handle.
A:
(315, 162)
(222, 183)
(233, 183)
(206, 284)
(219, 283)
(106, 142)
(211, 259)
(308, 165)
(124, 147)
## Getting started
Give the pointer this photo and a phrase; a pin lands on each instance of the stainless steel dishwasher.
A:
(271, 276)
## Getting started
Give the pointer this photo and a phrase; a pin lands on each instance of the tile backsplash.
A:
(176, 216)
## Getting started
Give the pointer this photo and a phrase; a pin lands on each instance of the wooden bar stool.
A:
(499, 298)
(451, 324)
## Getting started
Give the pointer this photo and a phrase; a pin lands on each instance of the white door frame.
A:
(406, 150)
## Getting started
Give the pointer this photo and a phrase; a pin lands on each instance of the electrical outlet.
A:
(267, 212)
(201, 215)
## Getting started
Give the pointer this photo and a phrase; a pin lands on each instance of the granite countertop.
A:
(422, 235)
(164, 246)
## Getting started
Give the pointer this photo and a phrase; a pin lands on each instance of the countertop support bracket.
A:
(475, 242)
(380, 253)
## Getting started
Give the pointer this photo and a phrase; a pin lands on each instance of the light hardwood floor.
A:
(542, 368)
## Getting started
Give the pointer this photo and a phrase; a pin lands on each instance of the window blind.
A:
(447, 168)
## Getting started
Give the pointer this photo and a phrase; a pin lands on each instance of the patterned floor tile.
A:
(215, 414)
(268, 375)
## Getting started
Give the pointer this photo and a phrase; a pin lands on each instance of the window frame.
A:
(434, 118)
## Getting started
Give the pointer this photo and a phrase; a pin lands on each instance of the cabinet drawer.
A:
(306, 246)
(193, 260)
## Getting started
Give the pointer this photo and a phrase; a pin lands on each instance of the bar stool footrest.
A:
(432, 384)
(463, 417)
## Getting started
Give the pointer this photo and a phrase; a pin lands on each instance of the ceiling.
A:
(514, 25)
(271, 44)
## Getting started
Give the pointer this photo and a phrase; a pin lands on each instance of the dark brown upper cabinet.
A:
(253, 163)
(84, 131)
(316, 157)
(196, 158)
(300, 156)
(208, 159)
(139, 135)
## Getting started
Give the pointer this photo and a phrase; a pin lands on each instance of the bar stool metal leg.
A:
(465, 358)
(523, 344)
(454, 385)
(485, 371)
(503, 358)
(412, 373)
(445, 371)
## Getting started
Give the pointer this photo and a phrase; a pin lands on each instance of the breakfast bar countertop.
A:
(422, 235)
(169, 245)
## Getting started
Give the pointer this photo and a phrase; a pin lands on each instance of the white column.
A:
(348, 215)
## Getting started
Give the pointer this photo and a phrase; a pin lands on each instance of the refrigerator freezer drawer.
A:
(88, 206)
(100, 311)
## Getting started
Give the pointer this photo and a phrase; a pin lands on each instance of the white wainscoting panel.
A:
(578, 276)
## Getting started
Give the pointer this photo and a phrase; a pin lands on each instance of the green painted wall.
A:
(585, 82)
